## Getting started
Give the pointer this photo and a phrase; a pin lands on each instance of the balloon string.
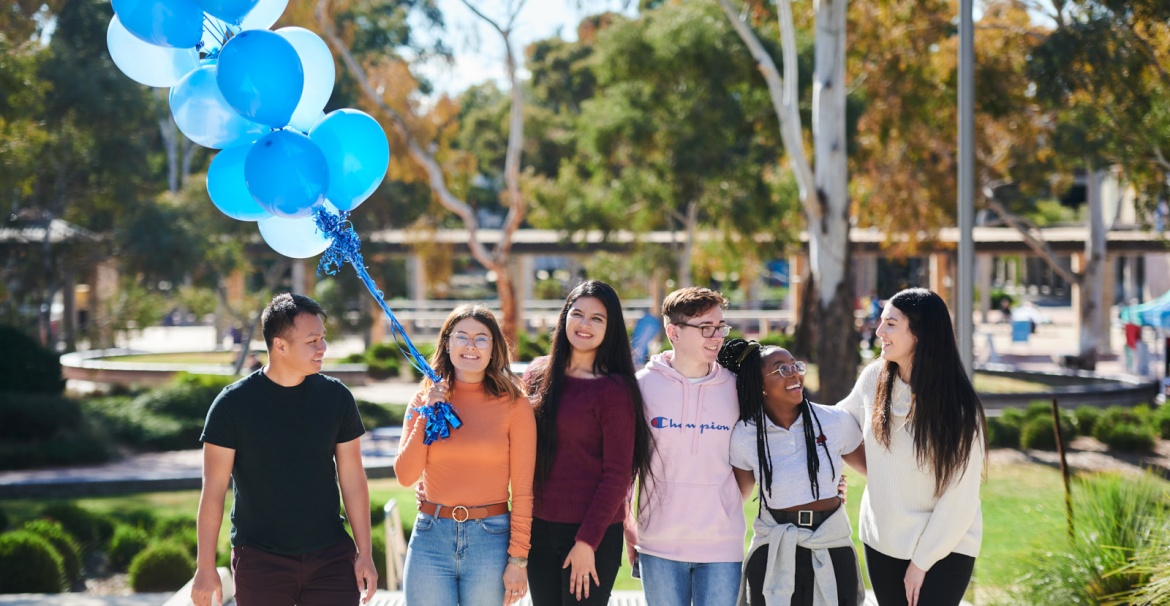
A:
(346, 248)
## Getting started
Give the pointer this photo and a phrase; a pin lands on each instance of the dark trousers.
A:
(549, 582)
(945, 582)
(844, 568)
(319, 578)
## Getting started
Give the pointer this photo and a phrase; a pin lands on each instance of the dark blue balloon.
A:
(227, 187)
(286, 173)
(232, 11)
(261, 77)
(173, 23)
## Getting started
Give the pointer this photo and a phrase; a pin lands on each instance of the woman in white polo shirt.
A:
(801, 552)
(924, 442)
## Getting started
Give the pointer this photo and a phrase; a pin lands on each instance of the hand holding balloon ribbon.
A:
(346, 248)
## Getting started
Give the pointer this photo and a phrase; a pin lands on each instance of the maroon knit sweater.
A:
(590, 475)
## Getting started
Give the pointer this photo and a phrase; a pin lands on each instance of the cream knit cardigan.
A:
(900, 515)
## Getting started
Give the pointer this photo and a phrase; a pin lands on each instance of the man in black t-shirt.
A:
(276, 434)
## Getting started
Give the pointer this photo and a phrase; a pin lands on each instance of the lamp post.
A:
(966, 277)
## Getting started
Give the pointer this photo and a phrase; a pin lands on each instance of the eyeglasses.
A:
(461, 340)
(788, 370)
(709, 330)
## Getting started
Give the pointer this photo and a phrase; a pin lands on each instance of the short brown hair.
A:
(281, 313)
(686, 303)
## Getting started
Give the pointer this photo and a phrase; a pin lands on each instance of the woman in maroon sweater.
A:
(592, 440)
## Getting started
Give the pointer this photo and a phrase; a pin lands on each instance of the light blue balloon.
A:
(232, 11)
(265, 14)
(227, 187)
(205, 116)
(320, 74)
(147, 63)
(174, 23)
(260, 75)
(297, 237)
(357, 153)
(286, 173)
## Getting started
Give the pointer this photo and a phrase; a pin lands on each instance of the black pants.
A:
(551, 543)
(945, 582)
(844, 568)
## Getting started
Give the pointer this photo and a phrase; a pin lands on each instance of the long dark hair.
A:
(745, 359)
(614, 359)
(945, 412)
(498, 378)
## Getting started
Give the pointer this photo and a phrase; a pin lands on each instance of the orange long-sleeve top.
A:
(494, 449)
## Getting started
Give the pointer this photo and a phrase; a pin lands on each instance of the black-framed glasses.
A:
(789, 370)
(709, 330)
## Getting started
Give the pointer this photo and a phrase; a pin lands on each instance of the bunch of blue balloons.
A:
(258, 96)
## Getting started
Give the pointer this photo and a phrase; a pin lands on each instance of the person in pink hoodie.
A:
(688, 538)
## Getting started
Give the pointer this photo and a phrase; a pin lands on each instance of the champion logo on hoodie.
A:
(669, 423)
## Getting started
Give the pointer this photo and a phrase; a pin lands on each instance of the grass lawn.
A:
(1023, 511)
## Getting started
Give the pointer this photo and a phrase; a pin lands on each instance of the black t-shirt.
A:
(285, 478)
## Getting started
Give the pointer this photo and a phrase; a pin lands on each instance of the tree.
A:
(421, 142)
(823, 187)
(668, 132)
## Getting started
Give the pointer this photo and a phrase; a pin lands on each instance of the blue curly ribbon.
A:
(346, 248)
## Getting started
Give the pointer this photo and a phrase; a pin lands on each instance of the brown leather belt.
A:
(460, 513)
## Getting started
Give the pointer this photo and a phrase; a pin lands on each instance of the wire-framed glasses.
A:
(461, 340)
(788, 370)
(709, 330)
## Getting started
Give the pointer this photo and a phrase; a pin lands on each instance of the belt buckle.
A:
(455, 514)
(804, 517)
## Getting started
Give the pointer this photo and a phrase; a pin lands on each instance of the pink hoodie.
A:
(692, 511)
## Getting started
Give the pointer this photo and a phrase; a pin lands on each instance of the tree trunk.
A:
(829, 249)
(509, 308)
(1090, 304)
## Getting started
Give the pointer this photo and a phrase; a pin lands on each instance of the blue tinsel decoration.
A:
(347, 248)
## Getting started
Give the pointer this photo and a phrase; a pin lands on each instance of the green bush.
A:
(28, 367)
(379, 415)
(165, 566)
(1087, 419)
(142, 518)
(128, 541)
(1161, 419)
(382, 360)
(91, 530)
(1126, 428)
(1117, 519)
(38, 430)
(181, 401)
(30, 564)
(63, 542)
(144, 422)
(1038, 433)
(1002, 434)
(778, 339)
(529, 347)
(3, 521)
(427, 350)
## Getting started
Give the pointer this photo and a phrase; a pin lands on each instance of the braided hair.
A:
(745, 359)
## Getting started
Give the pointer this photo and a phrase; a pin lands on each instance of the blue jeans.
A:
(670, 583)
(450, 563)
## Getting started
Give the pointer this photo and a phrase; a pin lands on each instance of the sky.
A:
(479, 52)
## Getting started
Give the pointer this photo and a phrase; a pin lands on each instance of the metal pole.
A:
(966, 275)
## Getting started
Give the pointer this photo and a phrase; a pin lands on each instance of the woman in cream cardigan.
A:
(924, 443)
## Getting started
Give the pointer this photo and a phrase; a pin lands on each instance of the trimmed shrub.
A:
(427, 350)
(1126, 428)
(182, 530)
(90, 529)
(529, 347)
(63, 542)
(1002, 434)
(164, 566)
(3, 521)
(128, 542)
(31, 368)
(27, 416)
(382, 360)
(1038, 433)
(1087, 419)
(379, 415)
(1161, 419)
(138, 518)
(780, 339)
(38, 430)
(30, 564)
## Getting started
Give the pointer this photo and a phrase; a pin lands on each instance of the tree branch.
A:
(427, 161)
(1031, 234)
